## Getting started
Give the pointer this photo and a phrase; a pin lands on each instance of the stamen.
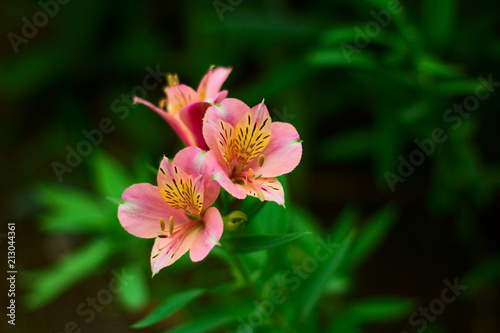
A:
(172, 80)
(171, 225)
(163, 103)
(261, 160)
(162, 224)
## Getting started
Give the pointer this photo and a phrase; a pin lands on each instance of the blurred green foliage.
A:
(359, 96)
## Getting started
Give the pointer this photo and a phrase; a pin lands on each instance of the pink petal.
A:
(230, 110)
(260, 113)
(212, 82)
(168, 250)
(141, 209)
(193, 161)
(182, 131)
(215, 81)
(179, 96)
(218, 169)
(283, 152)
(192, 117)
(272, 189)
(220, 97)
(209, 235)
(251, 136)
(180, 190)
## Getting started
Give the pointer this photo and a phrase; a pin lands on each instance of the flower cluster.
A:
(229, 145)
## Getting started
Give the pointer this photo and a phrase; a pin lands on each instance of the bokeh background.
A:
(359, 91)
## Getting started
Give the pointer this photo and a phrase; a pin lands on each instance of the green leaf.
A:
(304, 221)
(317, 282)
(110, 177)
(344, 223)
(168, 307)
(135, 295)
(71, 210)
(346, 55)
(251, 243)
(370, 236)
(431, 66)
(439, 17)
(456, 87)
(349, 146)
(483, 276)
(252, 206)
(347, 34)
(46, 285)
(203, 324)
(380, 309)
(380, 4)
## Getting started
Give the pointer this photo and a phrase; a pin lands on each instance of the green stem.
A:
(242, 270)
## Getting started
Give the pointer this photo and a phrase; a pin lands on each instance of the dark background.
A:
(355, 118)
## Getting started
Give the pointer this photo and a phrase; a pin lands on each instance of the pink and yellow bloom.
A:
(177, 212)
(248, 151)
(184, 107)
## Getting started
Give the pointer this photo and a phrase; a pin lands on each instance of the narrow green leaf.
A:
(46, 285)
(439, 17)
(348, 34)
(345, 55)
(380, 4)
(168, 307)
(317, 282)
(344, 223)
(251, 243)
(203, 324)
(110, 177)
(370, 236)
(380, 309)
(456, 87)
(71, 210)
(349, 146)
(431, 66)
(135, 295)
(483, 276)
(304, 221)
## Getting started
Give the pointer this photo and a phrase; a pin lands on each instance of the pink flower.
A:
(184, 108)
(247, 150)
(176, 211)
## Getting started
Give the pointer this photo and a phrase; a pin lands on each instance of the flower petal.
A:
(141, 209)
(251, 135)
(271, 188)
(167, 250)
(192, 117)
(218, 169)
(283, 152)
(212, 82)
(180, 190)
(173, 120)
(193, 161)
(219, 97)
(208, 236)
(230, 110)
(179, 96)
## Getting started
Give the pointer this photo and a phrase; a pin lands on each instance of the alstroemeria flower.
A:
(248, 150)
(177, 212)
(184, 108)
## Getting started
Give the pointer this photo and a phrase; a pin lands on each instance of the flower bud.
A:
(235, 220)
